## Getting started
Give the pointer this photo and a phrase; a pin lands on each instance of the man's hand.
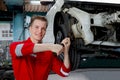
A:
(66, 43)
(57, 48)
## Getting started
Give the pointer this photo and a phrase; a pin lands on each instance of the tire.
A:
(75, 55)
(60, 32)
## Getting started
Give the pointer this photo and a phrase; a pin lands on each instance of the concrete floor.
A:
(90, 74)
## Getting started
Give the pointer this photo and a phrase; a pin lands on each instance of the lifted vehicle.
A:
(94, 30)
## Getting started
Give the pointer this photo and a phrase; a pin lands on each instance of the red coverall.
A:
(30, 66)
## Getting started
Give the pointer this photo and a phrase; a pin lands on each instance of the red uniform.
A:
(34, 66)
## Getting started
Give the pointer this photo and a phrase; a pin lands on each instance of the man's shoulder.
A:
(17, 42)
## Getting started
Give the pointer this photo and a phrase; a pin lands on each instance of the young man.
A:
(33, 60)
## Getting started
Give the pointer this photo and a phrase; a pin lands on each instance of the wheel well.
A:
(62, 18)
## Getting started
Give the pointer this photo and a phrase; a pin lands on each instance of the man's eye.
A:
(44, 29)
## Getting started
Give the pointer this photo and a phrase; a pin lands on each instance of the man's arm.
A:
(21, 49)
(57, 48)
(66, 60)
(59, 67)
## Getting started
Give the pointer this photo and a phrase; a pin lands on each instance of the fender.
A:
(49, 37)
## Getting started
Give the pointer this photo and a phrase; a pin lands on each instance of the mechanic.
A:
(33, 60)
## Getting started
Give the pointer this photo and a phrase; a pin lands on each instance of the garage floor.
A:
(90, 74)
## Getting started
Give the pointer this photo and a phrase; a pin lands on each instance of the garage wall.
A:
(18, 27)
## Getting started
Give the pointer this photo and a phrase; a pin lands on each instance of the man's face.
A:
(37, 30)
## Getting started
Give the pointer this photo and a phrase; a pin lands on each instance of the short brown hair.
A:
(42, 18)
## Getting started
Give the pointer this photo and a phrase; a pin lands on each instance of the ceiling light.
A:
(35, 2)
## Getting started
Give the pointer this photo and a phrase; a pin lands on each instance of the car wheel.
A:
(61, 33)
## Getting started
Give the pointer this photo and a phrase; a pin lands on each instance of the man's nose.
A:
(39, 30)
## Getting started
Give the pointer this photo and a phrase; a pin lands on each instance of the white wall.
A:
(5, 32)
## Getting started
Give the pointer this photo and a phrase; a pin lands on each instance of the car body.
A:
(93, 28)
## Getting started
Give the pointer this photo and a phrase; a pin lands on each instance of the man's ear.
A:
(29, 28)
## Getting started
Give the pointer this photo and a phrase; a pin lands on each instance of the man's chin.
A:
(39, 39)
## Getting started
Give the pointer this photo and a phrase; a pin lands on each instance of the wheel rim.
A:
(59, 37)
